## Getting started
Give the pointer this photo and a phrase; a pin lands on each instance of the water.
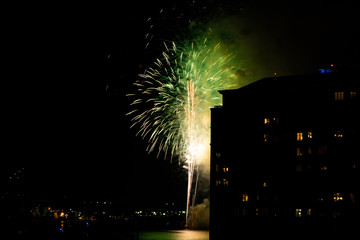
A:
(175, 235)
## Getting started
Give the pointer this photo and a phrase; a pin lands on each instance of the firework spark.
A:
(173, 101)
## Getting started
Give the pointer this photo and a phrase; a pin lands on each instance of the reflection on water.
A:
(175, 235)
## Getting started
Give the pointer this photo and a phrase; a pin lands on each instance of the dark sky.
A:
(67, 68)
(66, 71)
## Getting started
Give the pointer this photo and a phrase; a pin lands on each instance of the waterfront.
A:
(175, 235)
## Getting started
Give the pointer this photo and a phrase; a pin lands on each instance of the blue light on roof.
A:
(328, 70)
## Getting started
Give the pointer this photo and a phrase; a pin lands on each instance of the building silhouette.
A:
(285, 159)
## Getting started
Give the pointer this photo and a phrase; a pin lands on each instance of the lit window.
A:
(299, 152)
(217, 155)
(337, 197)
(308, 212)
(309, 135)
(217, 168)
(338, 96)
(257, 212)
(265, 184)
(218, 182)
(323, 167)
(298, 212)
(223, 182)
(299, 136)
(226, 168)
(338, 134)
(352, 94)
(266, 137)
(245, 197)
(272, 120)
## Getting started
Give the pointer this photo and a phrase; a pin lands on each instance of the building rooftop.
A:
(297, 81)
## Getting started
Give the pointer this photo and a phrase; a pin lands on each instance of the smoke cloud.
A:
(199, 215)
(272, 37)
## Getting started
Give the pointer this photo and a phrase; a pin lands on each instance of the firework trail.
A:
(172, 105)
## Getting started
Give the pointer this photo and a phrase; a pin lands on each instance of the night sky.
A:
(67, 68)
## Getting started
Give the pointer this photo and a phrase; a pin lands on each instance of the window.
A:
(245, 197)
(308, 212)
(245, 212)
(309, 135)
(266, 137)
(352, 94)
(265, 184)
(337, 197)
(266, 211)
(271, 118)
(299, 152)
(309, 167)
(298, 212)
(355, 165)
(322, 150)
(217, 168)
(275, 138)
(223, 182)
(225, 168)
(323, 167)
(309, 151)
(338, 134)
(352, 197)
(217, 155)
(276, 120)
(299, 167)
(338, 96)
(336, 213)
(299, 136)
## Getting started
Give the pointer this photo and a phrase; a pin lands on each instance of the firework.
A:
(173, 101)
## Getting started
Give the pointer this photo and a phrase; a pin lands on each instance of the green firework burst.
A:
(172, 105)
